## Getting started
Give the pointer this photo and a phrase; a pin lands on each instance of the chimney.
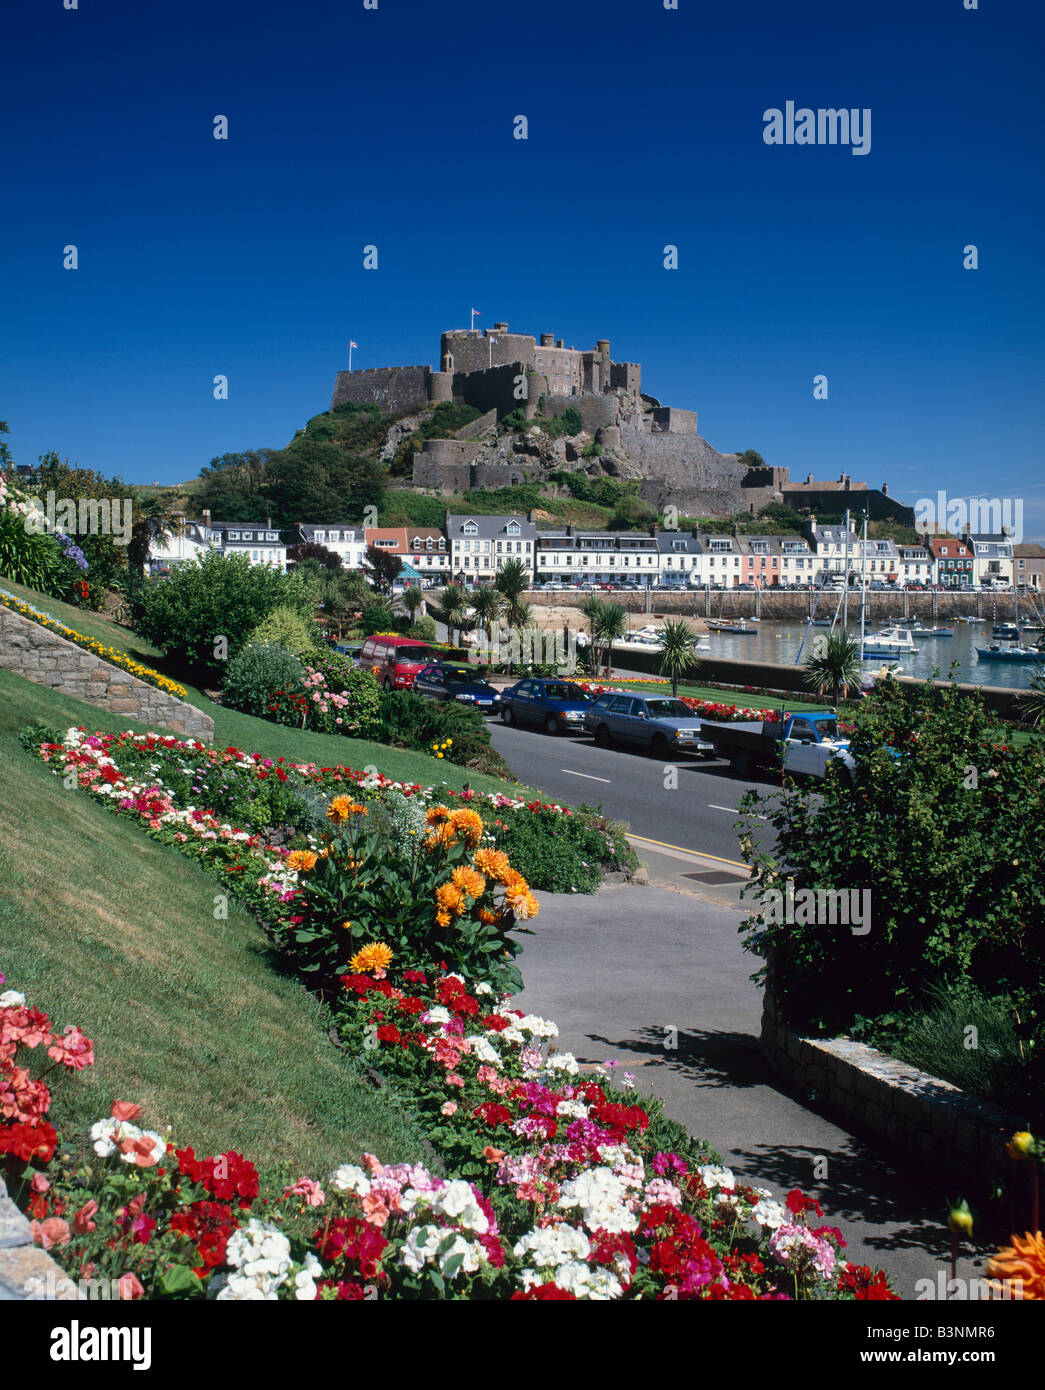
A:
(206, 517)
(885, 489)
(268, 523)
(560, 342)
(547, 339)
(500, 328)
(809, 479)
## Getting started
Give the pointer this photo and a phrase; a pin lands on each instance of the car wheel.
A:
(552, 725)
(508, 715)
(602, 736)
(659, 746)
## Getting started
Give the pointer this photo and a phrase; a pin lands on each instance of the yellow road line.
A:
(699, 853)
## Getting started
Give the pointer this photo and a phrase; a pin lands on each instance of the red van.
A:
(397, 660)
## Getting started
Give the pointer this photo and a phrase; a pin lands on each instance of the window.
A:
(512, 529)
(269, 536)
(232, 536)
(320, 536)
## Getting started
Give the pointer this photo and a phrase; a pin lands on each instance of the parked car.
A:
(803, 743)
(657, 722)
(397, 660)
(557, 705)
(446, 680)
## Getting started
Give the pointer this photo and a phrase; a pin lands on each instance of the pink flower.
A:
(39, 1183)
(73, 1050)
(53, 1231)
(125, 1111)
(130, 1287)
(82, 1222)
(374, 1209)
(374, 1167)
(448, 1107)
(309, 1189)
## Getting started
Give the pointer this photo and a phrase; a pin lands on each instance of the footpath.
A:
(656, 978)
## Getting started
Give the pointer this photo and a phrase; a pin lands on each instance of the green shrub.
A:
(215, 597)
(256, 674)
(349, 698)
(443, 728)
(424, 629)
(377, 616)
(564, 853)
(285, 627)
(29, 558)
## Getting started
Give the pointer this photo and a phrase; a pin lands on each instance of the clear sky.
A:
(394, 127)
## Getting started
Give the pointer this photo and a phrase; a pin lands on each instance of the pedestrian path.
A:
(630, 971)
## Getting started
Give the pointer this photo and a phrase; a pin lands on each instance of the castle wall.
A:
(684, 470)
(494, 389)
(626, 376)
(473, 352)
(669, 420)
(394, 389)
(596, 411)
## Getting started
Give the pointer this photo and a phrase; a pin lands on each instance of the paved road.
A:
(695, 811)
(619, 968)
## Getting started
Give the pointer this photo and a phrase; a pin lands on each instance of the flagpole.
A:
(350, 357)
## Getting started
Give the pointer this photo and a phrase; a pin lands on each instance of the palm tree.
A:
(453, 610)
(512, 583)
(338, 597)
(412, 599)
(487, 603)
(1032, 702)
(677, 650)
(154, 518)
(834, 665)
(614, 626)
(594, 610)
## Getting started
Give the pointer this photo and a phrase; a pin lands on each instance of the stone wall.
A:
(494, 389)
(44, 658)
(26, 1271)
(684, 470)
(596, 412)
(906, 1111)
(392, 388)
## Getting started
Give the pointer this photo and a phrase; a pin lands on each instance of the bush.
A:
(217, 596)
(377, 616)
(256, 674)
(349, 699)
(562, 854)
(424, 629)
(443, 728)
(285, 627)
(32, 559)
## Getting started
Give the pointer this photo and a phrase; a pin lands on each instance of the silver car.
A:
(660, 723)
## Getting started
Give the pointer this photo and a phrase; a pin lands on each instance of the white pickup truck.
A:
(810, 742)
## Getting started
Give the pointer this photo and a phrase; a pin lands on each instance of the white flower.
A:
(482, 1050)
(12, 1000)
(602, 1198)
(350, 1178)
(538, 1027)
(575, 1109)
(420, 1247)
(717, 1177)
(553, 1246)
(768, 1212)
(259, 1258)
(457, 1200)
(107, 1135)
(483, 988)
(562, 1061)
(436, 1015)
(305, 1279)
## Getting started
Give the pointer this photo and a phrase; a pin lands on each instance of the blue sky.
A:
(394, 127)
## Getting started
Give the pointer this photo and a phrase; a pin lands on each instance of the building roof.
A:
(489, 527)
(1029, 550)
(948, 547)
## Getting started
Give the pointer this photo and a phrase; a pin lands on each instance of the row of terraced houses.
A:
(471, 549)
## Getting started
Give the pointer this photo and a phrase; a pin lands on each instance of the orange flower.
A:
(469, 881)
(301, 860)
(468, 823)
(442, 919)
(493, 862)
(1020, 1268)
(342, 807)
(493, 1155)
(485, 915)
(513, 881)
(522, 903)
(449, 898)
(436, 814)
(374, 956)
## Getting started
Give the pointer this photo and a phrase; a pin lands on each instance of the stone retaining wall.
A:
(26, 1271)
(903, 1110)
(45, 658)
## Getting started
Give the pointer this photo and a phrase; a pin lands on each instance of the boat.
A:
(823, 622)
(740, 627)
(891, 641)
(931, 631)
(1014, 652)
(1008, 632)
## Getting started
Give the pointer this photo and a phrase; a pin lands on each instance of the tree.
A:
(633, 513)
(1032, 702)
(5, 453)
(487, 603)
(412, 599)
(343, 592)
(155, 519)
(834, 665)
(382, 567)
(452, 609)
(512, 582)
(593, 609)
(312, 550)
(614, 626)
(751, 458)
(677, 651)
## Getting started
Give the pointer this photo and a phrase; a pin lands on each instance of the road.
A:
(694, 810)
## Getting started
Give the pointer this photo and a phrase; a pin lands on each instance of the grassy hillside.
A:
(191, 1016)
(243, 730)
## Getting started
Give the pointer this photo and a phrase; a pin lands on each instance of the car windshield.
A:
(828, 728)
(412, 654)
(668, 709)
(563, 691)
(465, 678)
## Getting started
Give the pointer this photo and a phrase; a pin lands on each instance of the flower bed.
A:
(707, 709)
(565, 1187)
(108, 654)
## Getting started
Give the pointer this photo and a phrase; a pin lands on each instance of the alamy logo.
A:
(76, 1343)
(820, 906)
(824, 126)
(965, 516)
(535, 646)
(91, 516)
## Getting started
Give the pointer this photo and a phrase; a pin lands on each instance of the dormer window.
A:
(469, 529)
(512, 529)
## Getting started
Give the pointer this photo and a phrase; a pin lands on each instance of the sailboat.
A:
(1016, 650)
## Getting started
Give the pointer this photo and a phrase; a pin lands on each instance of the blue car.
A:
(451, 681)
(556, 705)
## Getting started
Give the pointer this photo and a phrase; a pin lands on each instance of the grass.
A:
(259, 735)
(191, 1016)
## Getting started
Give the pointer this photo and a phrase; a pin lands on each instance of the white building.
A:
(481, 545)
(341, 539)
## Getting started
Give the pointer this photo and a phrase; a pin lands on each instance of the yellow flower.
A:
(342, 807)
(469, 881)
(449, 898)
(374, 956)
(493, 862)
(442, 919)
(469, 824)
(1021, 1144)
(301, 860)
(436, 814)
(960, 1219)
(1020, 1268)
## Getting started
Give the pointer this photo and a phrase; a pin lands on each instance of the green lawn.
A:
(192, 1017)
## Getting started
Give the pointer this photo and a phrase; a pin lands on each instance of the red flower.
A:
(544, 1293)
(493, 1114)
(798, 1203)
(388, 1033)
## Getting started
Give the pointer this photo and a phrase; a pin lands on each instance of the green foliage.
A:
(216, 596)
(256, 674)
(783, 518)
(30, 558)
(378, 617)
(516, 422)
(633, 513)
(592, 450)
(350, 697)
(834, 665)
(564, 854)
(677, 651)
(285, 627)
(447, 418)
(455, 731)
(751, 458)
(423, 628)
(943, 826)
(568, 423)
(1032, 702)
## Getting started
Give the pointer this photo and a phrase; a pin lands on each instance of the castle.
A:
(498, 373)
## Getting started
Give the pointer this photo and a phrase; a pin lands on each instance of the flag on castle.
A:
(352, 344)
